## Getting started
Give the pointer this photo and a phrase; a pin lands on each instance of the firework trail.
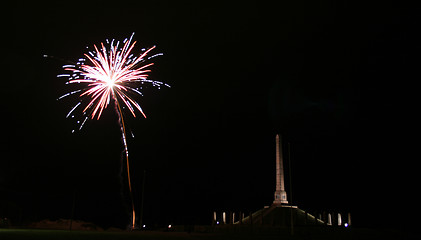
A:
(110, 74)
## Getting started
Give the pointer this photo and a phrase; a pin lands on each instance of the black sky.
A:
(335, 78)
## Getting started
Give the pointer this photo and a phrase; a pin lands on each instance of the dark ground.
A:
(309, 233)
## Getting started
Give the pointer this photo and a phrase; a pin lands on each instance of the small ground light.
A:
(144, 226)
(346, 224)
(169, 226)
(217, 222)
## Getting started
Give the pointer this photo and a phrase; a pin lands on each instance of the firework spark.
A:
(114, 74)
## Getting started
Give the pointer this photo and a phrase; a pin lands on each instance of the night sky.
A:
(335, 78)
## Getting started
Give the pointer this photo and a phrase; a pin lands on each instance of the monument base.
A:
(280, 197)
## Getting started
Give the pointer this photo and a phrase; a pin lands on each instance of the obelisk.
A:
(280, 193)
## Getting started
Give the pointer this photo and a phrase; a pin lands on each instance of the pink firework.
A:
(115, 74)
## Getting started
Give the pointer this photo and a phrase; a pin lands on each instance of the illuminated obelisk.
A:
(280, 193)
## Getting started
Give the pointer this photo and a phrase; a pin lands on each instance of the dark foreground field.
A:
(34, 234)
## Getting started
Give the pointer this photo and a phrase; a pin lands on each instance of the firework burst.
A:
(111, 74)
(104, 74)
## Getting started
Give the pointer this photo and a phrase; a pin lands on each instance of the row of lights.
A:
(217, 223)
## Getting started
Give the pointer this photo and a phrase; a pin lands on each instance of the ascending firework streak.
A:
(115, 74)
